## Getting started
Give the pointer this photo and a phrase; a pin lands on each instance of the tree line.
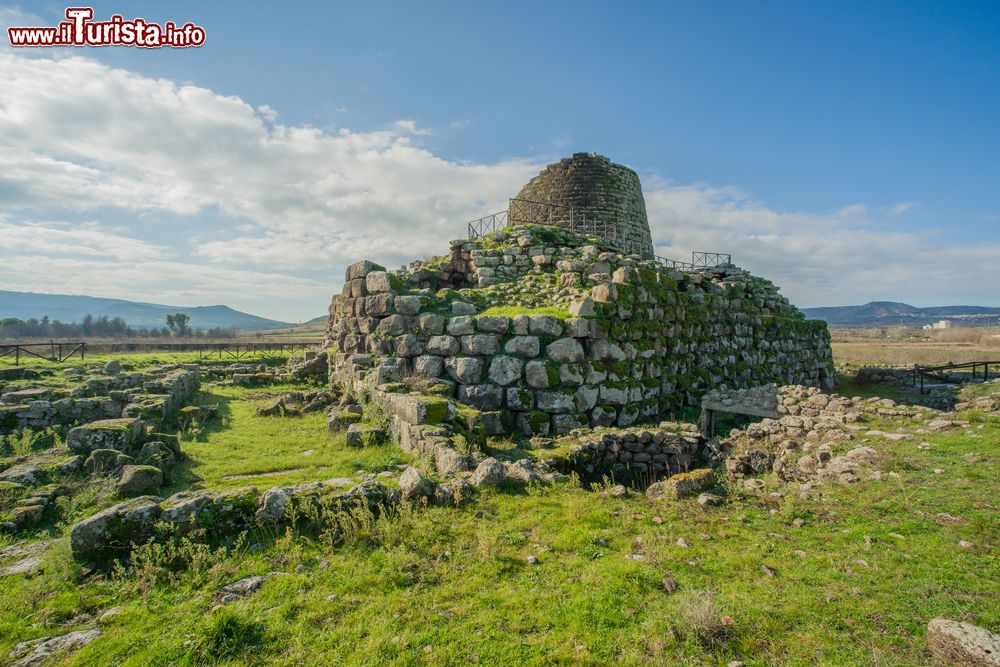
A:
(178, 325)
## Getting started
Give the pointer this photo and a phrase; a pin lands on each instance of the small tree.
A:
(178, 323)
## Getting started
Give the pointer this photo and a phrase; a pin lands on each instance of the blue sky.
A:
(849, 151)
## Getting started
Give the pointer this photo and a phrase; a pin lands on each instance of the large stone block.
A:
(481, 396)
(466, 370)
(120, 434)
(565, 351)
(114, 531)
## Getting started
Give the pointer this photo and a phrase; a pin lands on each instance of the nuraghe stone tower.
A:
(596, 189)
(551, 329)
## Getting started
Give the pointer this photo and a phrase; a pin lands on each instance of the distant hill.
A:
(67, 308)
(889, 313)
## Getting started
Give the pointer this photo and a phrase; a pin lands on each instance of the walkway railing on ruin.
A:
(527, 212)
(699, 260)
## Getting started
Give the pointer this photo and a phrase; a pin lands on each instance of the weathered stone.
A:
(537, 375)
(565, 351)
(604, 293)
(544, 325)
(274, 506)
(492, 324)
(120, 434)
(428, 366)
(488, 472)
(46, 649)
(361, 269)
(582, 308)
(555, 401)
(963, 644)
(377, 281)
(113, 532)
(106, 460)
(462, 308)
(452, 493)
(137, 480)
(445, 346)
(466, 370)
(461, 326)
(431, 324)
(480, 344)
(481, 396)
(525, 347)
(27, 474)
(505, 370)
(407, 304)
(447, 461)
(682, 484)
(414, 486)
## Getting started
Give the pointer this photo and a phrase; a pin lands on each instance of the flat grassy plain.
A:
(617, 581)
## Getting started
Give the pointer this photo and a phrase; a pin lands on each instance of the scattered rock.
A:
(137, 480)
(488, 472)
(963, 644)
(415, 486)
(44, 649)
(242, 588)
(709, 499)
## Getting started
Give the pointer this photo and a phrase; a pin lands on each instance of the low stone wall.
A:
(156, 395)
(114, 532)
(639, 454)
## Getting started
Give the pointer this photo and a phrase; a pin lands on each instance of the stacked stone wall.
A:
(635, 341)
(155, 395)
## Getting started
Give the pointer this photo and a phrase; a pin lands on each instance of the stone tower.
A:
(591, 194)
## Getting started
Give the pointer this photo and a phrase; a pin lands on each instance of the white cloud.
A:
(820, 259)
(853, 210)
(299, 203)
(902, 207)
(410, 127)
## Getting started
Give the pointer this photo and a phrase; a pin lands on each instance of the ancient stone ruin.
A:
(587, 188)
(156, 394)
(554, 328)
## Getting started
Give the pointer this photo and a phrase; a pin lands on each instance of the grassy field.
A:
(617, 580)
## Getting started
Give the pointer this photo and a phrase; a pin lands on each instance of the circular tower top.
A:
(589, 193)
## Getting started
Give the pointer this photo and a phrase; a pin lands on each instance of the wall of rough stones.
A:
(600, 189)
(156, 395)
(629, 339)
(666, 449)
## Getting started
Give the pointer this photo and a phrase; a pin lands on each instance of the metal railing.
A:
(527, 212)
(699, 260)
(488, 224)
(937, 372)
(711, 259)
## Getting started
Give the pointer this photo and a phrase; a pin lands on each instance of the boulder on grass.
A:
(488, 472)
(682, 485)
(137, 480)
(106, 460)
(963, 644)
(414, 486)
(114, 531)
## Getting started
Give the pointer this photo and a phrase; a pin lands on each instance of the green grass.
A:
(239, 448)
(139, 360)
(855, 585)
(513, 311)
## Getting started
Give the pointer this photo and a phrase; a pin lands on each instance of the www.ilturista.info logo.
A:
(80, 30)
